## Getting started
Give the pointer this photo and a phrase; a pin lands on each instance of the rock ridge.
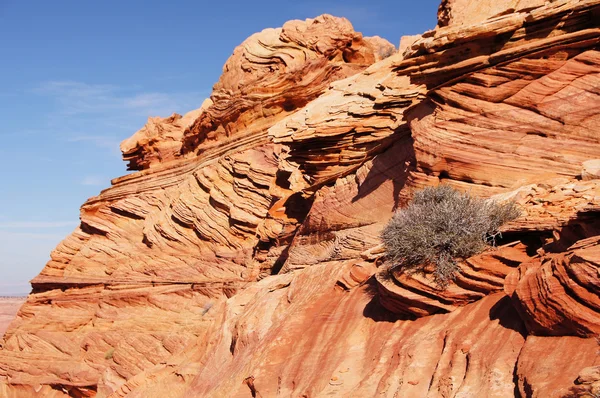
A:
(243, 257)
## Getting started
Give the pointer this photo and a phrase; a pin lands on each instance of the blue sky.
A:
(77, 77)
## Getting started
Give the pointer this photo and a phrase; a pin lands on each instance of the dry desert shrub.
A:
(440, 225)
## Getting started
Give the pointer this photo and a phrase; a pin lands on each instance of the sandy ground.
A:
(8, 310)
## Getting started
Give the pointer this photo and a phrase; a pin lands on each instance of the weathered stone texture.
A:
(243, 258)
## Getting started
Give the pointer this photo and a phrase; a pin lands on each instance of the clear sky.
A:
(77, 77)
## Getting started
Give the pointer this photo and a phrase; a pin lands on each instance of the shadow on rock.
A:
(394, 164)
(375, 310)
(507, 316)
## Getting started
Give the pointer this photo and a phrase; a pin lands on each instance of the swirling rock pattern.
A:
(277, 71)
(464, 12)
(160, 140)
(536, 370)
(418, 295)
(305, 321)
(553, 217)
(339, 131)
(557, 294)
(491, 130)
(243, 259)
(159, 247)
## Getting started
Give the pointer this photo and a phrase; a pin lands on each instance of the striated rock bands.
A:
(156, 250)
(243, 258)
(522, 107)
(557, 294)
(160, 140)
(278, 71)
(465, 12)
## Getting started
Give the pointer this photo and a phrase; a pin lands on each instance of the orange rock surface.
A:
(277, 71)
(160, 140)
(557, 294)
(465, 12)
(244, 258)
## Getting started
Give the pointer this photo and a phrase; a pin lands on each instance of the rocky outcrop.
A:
(161, 246)
(553, 217)
(244, 259)
(302, 321)
(591, 170)
(557, 294)
(277, 71)
(519, 109)
(479, 276)
(556, 205)
(160, 140)
(270, 75)
(465, 12)
(536, 371)
(335, 134)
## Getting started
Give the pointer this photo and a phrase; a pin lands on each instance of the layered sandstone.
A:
(244, 258)
(554, 219)
(465, 12)
(277, 71)
(557, 294)
(156, 250)
(160, 140)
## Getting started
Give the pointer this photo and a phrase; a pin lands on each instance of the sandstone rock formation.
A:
(557, 294)
(244, 259)
(591, 170)
(555, 220)
(160, 140)
(277, 71)
(465, 12)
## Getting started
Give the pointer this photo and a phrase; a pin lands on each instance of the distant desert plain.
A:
(8, 309)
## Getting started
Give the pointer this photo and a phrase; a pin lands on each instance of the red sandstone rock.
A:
(591, 170)
(277, 71)
(550, 366)
(406, 42)
(157, 249)
(301, 321)
(557, 294)
(518, 109)
(568, 211)
(419, 295)
(240, 261)
(160, 140)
